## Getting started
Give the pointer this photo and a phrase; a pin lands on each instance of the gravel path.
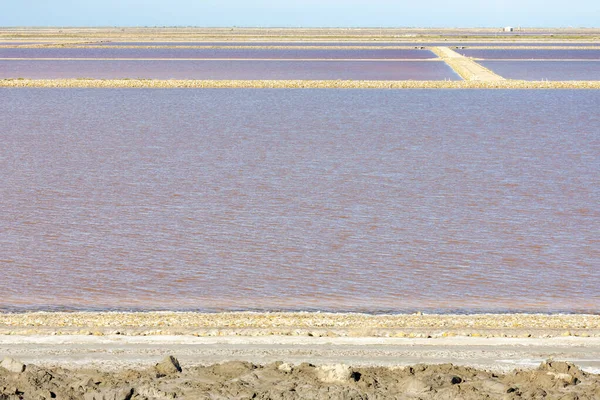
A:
(117, 352)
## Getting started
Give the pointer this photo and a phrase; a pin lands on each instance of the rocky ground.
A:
(340, 356)
(242, 380)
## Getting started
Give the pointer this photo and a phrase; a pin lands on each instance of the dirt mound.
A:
(241, 380)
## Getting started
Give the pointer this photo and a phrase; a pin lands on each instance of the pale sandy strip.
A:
(311, 324)
(212, 59)
(112, 352)
(465, 67)
(295, 84)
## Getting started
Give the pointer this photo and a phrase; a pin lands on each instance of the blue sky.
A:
(310, 13)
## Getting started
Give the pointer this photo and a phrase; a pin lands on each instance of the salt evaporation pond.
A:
(213, 53)
(227, 69)
(590, 54)
(362, 200)
(369, 43)
(546, 70)
(253, 43)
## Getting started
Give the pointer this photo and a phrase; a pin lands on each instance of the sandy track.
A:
(468, 69)
(117, 352)
(299, 324)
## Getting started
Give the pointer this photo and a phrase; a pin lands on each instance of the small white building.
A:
(508, 29)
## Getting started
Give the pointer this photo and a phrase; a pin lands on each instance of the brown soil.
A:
(243, 380)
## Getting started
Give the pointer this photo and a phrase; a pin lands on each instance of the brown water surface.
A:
(364, 200)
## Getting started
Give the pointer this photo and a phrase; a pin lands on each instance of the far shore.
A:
(261, 33)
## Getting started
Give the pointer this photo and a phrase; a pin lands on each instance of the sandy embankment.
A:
(299, 324)
(112, 355)
(292, 84)
(468, 69)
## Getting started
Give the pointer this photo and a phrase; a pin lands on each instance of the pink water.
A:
(116, 52)
(580, 70)
(528, 54)
(364, 200)
(227, 69)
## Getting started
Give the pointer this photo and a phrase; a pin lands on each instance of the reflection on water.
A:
(300, 199)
